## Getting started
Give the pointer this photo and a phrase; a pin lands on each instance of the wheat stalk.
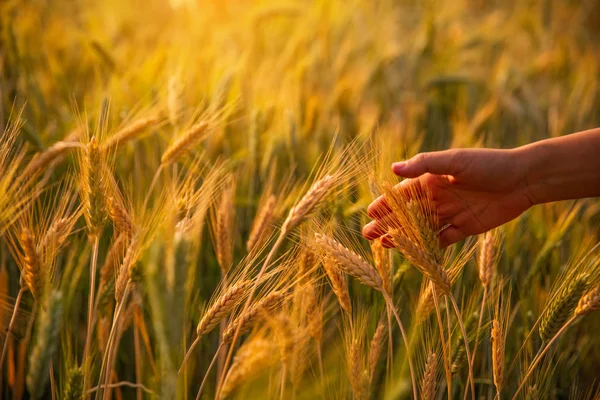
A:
(184, 143)
(428, 383)
(296, 215)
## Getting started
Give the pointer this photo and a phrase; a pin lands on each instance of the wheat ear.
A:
(245, 321)
(339, 286)
(588, 303)
(498, 354)
(249, 360)
(217, 312)
(350, 262)
(74, 386)
(376, 347)
(184, 143)
(130, 131)
(296, 215)
(31, 272)
(41, 160)
(261, 223)
(428, 383)
(422, 260)
(561, 308)
(313, 196)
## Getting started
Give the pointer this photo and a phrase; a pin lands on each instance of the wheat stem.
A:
(113, 329)
(466, 340)
(391, 305)
(479, 322)
(11, 324)
(210, 366)
(90, 317)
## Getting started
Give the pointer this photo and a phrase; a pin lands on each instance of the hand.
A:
(473, 190)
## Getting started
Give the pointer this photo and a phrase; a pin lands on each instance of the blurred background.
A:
(292, 79)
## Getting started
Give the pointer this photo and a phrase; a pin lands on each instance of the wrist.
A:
(535, 161)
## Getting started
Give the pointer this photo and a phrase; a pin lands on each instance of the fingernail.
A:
(398, 166)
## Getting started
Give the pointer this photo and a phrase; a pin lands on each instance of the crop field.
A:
(183, 185)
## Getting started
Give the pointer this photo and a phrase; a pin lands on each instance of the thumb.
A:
(438, 163)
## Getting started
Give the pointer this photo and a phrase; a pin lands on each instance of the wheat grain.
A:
(120, 216)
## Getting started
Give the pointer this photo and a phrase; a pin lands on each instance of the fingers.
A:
(408, 188)
(373, 230)
(386, 241)
(438, 163)
(450, 235)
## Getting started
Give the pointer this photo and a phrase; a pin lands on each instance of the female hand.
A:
(473, 190)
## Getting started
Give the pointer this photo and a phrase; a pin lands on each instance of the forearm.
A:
(562, 168)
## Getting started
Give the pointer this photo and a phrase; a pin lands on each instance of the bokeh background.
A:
(293, 79)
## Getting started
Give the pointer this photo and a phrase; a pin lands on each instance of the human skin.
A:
(475, 190)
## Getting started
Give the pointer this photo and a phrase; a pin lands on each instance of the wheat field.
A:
(183, 185)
